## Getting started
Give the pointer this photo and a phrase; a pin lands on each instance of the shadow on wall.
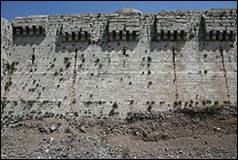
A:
(215, 45)
(63, 46)
(119, 46)
(163, 45)
(27, 40)
(209, 45)
(166, 45)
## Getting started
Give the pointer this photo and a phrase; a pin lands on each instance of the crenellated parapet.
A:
(174, 26)
(124, 26)
(80, 28)
(29, 31)
(220, 25)
(30, 26)
(171, 28)
(131, 25)
(76, 32)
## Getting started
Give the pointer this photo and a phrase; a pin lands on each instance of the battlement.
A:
(220, 25)
(127, 25)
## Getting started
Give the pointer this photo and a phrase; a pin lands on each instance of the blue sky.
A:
(11, 9)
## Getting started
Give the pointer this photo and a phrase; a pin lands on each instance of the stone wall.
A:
(112, 64)
(6, 50)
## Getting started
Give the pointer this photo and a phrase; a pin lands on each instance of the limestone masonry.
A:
(111, 64)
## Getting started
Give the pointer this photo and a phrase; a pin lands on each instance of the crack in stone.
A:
(73, 93)
(225, 73)
(33, 56)
(175, 76)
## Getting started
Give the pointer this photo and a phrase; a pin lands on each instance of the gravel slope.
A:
(181, 134)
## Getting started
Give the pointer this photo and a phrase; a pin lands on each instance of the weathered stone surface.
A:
(111, 64)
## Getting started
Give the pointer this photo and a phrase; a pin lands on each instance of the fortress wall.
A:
(112, 64)
(6, 48)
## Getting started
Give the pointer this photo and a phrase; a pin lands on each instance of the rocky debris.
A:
(217, 129)
(42, 129)
(91, 138)
(139, 115)
(53, 128)
(68, 146)
(82, 129)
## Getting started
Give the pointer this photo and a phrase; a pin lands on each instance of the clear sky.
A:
(12, 9)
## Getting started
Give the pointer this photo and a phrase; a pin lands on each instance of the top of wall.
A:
(6, 34)
(131, 12)
(128, 24)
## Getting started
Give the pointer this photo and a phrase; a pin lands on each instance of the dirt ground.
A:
(173, 135)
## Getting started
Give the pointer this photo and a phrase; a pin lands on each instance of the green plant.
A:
(52, 66)
(8, 84)
(216, 103)
(76, 114)
(96, 61)
(149, 59)
(149, 108)
(59, 103)
(15, 102)
(125, 152)
(131, 102)
(30, 103)
(11, 67)
(149, 72)
(3, 105)
(114, 106)
(66, 59)
(191, 36)
(112, 112)
(149, 84)
(67, 65)
(56, 73)
(87, 103)
(100, 65)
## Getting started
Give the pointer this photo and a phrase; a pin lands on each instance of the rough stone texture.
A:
(209, 133)
(112, 64)
(6, 46)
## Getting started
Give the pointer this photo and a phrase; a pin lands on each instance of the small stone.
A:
(42, 129)
(53, 128)
(195, 121)
(51, 139)
(64, 154)
(180, 151)
(216, 128)
(164, 136)
(83, 129)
